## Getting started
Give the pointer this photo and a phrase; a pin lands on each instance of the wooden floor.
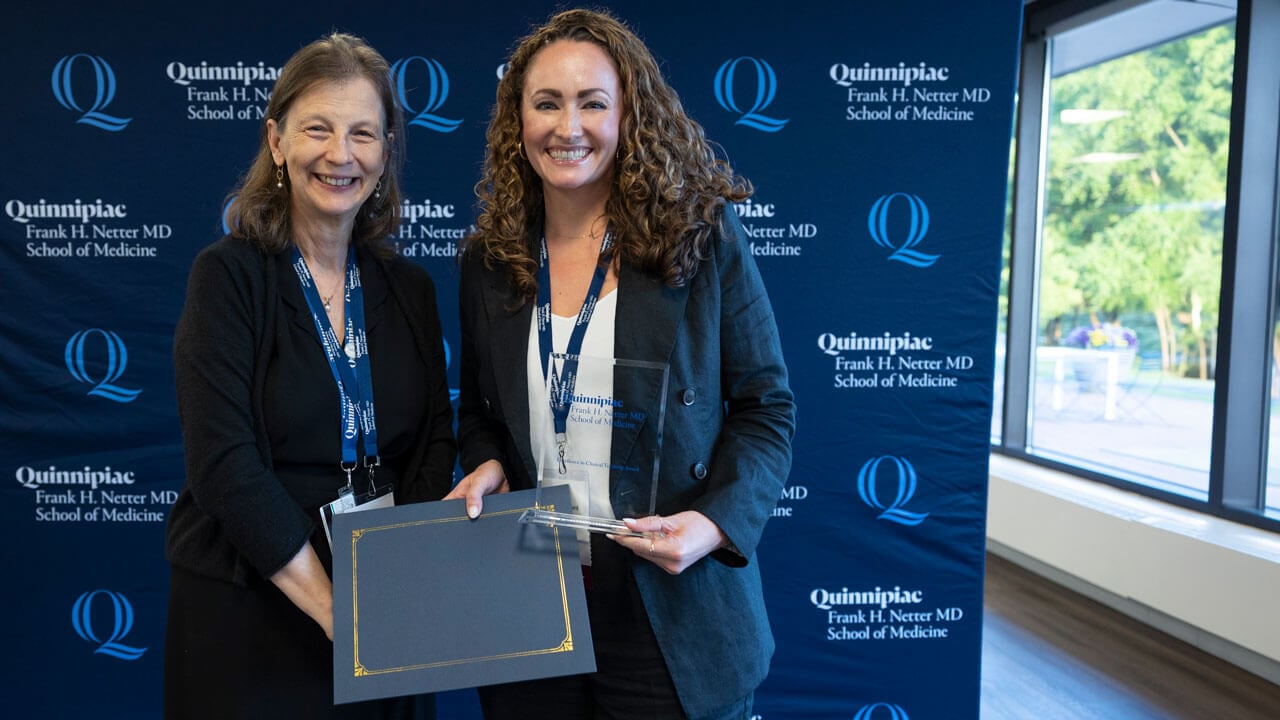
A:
(1051, 654)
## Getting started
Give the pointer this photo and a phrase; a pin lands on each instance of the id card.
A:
(379, 497)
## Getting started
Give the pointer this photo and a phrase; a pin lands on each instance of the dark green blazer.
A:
(726, 450)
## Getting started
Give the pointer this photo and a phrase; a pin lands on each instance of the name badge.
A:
(378, 497)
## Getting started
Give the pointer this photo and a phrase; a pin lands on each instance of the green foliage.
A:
(1134, 199)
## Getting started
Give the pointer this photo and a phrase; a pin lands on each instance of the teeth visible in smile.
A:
(337, 182)
(576, 154)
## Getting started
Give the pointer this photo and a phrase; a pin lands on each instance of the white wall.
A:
(1210, 582)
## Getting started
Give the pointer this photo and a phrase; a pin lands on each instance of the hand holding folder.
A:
(427, 599)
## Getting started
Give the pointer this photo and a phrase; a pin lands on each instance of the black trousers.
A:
(631, 681)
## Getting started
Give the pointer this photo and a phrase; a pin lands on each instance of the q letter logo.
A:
(226, 215)
(878, 226)
(105, 84)
(868, 712)
(437, 93)
(121, 623)
(448, 360)
(117, 359)
(766, 88)
(906, 489)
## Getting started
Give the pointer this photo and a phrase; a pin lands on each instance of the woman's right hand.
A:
(304, 582)
(486, 479)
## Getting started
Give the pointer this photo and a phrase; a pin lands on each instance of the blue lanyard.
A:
(561, 381)
(353, 375)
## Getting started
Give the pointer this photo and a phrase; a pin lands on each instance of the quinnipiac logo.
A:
(904, 482)
(104, 85)
(892, 712)
(226, 214)
(120, 619)
(437, 93)
(766, 87)
(448, 359)
(878, 226)
(95, 374)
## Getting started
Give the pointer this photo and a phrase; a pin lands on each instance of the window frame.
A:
(1242, 404)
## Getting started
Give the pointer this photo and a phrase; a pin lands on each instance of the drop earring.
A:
(279, 176)
(377, 189)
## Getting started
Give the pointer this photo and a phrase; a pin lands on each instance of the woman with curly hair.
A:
(604, 207)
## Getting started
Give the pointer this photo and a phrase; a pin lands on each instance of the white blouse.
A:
(590, 428)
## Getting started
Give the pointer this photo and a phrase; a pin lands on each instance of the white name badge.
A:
(379, 497)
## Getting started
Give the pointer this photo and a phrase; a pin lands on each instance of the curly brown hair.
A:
(669, 185)
(259, 210)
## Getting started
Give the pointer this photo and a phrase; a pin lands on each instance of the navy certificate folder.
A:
(426, 599)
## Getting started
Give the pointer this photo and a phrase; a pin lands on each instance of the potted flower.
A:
(1101, 337)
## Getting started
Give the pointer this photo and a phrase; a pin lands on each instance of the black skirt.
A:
(235, 652)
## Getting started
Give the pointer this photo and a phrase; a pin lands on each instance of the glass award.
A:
(603, 438)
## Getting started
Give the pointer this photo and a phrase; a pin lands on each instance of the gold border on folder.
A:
(566, 644)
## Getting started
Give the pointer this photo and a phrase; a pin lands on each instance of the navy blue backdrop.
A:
(876, 134)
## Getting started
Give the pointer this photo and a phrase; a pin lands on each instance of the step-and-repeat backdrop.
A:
(877, 136)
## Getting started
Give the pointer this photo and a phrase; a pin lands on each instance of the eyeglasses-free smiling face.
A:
(570, 111)
(332, 143)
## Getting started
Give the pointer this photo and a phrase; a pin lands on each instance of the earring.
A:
(377, 189)
(520, 150)
(279, 176)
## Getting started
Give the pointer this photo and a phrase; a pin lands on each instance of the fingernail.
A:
(473, 512)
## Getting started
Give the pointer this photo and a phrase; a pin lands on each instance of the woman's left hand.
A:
(674, 542)
(486, 479)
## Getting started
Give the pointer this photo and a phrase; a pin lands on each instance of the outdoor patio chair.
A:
(1139, 387)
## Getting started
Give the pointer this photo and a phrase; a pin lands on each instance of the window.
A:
(1137, 345)
(1130, 261)
(1272, 492)
(1002, 315)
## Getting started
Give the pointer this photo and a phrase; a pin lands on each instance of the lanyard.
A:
(352, 373)
(562, 381)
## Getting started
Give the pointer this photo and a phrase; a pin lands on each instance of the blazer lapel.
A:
(648, 316)
(508, 355)
(291, 295)
(645, 329)
(372, 284)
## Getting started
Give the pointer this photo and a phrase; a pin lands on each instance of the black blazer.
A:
(726, 443)
(234, 516)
